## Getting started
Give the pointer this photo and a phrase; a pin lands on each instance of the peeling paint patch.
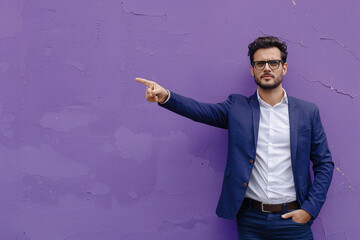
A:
(42, 161)
(190, 224)
(175, 176)
(131, 145)
(68, 119)
(144, 50)
(99, 188)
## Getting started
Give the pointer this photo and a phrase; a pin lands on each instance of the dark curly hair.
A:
(267, 42)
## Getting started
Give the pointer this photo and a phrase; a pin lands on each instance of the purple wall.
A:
(83, 156)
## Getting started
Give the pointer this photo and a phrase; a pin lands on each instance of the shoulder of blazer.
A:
(238, 99)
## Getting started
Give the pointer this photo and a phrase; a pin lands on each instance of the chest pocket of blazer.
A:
(304, 136)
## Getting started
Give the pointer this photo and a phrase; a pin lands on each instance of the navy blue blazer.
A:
(241, 116)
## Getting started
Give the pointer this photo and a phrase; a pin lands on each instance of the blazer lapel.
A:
(255, 108)
(294, 121)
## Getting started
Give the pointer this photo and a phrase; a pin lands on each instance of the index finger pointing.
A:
(144, 81)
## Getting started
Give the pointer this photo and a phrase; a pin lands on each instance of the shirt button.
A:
(251, 161)
(245, 184)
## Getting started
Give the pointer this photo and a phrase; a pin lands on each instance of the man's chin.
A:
(269, 86)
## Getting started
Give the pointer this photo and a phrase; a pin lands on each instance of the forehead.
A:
(267, 54)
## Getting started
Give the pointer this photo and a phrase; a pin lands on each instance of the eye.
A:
(260, 64)
(273, 63)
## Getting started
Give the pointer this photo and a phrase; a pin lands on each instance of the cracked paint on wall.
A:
(84, 156)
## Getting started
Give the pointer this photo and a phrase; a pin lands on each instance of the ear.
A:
(284, 69)
(252, 70)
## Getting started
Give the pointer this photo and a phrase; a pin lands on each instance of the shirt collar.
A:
(284, 100)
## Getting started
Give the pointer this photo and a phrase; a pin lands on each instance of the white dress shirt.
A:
(272, 179)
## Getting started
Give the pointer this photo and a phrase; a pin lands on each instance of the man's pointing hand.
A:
(154, 92)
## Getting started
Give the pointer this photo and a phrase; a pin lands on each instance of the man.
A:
(272, 137)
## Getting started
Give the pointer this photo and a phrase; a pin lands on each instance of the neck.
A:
(271, 96)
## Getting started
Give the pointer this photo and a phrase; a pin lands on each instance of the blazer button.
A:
(251, 161)
(245, 184)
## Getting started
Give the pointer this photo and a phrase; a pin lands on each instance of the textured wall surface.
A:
(83, 156)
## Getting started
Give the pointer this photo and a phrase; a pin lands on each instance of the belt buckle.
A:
(262, 209)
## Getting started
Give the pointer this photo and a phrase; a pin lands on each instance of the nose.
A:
(267, 67)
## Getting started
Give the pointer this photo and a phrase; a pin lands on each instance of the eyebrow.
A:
(266, 60)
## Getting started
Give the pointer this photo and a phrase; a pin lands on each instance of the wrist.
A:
(166, 98)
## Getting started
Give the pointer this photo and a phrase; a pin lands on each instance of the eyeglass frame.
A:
(267, 62)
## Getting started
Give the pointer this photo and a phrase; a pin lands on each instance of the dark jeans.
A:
(253, 224)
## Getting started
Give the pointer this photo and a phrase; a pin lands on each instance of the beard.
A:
(277, 82)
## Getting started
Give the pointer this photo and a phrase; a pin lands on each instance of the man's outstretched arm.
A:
(214, 114)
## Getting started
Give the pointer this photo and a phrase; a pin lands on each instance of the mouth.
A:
(267, 76)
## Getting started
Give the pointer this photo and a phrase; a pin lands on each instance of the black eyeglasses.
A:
(273, 64)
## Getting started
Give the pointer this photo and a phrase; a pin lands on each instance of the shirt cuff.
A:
(167, 97)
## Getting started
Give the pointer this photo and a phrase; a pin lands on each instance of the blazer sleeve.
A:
(212, 114)
(323, 167)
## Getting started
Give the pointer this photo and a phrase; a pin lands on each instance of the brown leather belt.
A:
(270, 208)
